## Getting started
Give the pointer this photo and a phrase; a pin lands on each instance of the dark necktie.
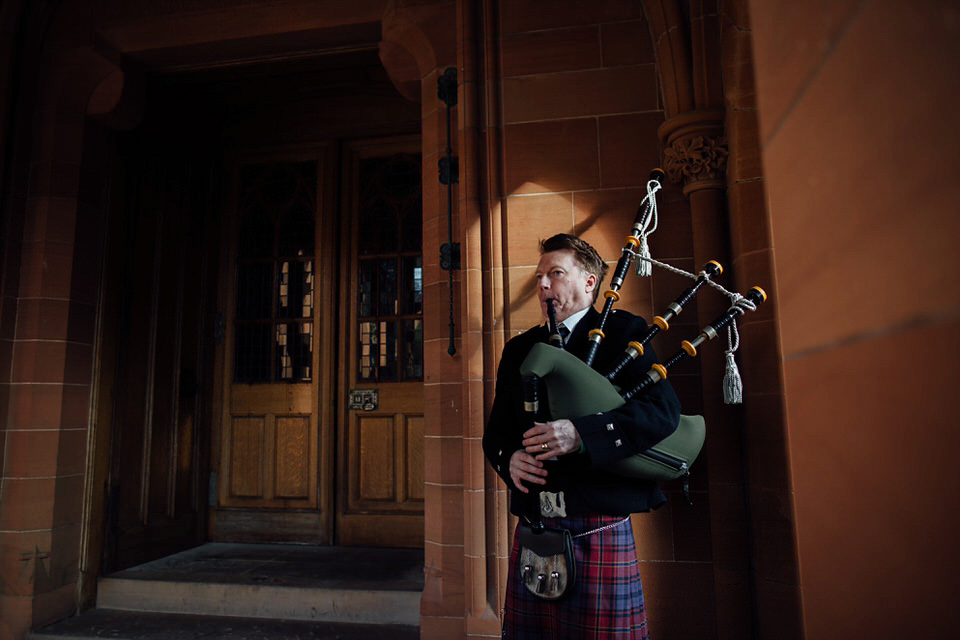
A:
(564, 332)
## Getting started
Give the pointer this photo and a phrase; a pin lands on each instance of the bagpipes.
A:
(574, 388)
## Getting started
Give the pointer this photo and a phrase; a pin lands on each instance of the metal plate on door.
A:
(364, 399)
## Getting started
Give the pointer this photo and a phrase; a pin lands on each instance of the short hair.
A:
(587, 257)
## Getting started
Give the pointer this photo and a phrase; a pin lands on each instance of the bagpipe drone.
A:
(574, 388)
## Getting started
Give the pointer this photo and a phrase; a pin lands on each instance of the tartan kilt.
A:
(607, 598)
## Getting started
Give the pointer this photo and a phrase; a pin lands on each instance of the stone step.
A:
(257, 591)
(130, 625)
(287, 582)
(261, 601)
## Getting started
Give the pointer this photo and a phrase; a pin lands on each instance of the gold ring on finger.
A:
(545, 446)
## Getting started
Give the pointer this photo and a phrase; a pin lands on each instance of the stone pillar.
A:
(695, 156)
(48, 416)
(419, 43)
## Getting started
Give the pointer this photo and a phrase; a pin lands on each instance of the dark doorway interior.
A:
(162, 310)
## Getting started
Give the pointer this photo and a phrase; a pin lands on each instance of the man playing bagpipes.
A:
(556, 469)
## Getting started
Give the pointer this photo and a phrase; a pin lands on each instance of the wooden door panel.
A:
(295, 470)
(246, 457)
(386, 456)
(271, 456)
(271, 462)
(414, 455)
(373, 456)
(276, 399)
(384, 480)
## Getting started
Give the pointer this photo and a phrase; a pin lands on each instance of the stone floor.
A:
(127, 625)
(262, 569)
(289, 564)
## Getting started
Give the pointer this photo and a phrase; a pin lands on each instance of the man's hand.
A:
(526, 468)
(548, 439)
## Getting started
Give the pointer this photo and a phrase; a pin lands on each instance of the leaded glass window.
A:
(390, 269)
(275, 273)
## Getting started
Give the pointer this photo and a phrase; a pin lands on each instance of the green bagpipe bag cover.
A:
(575, 390)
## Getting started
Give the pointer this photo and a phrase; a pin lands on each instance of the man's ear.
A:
(591, 282)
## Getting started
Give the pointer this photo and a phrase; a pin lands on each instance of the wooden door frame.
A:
(228, 523)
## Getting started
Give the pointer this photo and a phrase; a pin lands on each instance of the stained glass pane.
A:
(294, 350)
(412, 285)
(295, 290)
(378, 350)
(388, 287)
(368, 350)
(368, 288)
(388, 351)
(413, 348)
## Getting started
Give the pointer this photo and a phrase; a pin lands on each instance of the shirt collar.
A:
(572, 320)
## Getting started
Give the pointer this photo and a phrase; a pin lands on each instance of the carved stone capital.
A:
(695, 150)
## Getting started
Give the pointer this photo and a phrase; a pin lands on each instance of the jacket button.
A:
(618, 442)
(610, 427)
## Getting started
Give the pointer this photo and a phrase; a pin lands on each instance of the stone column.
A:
(419, 44)
(52, 353)
(695, 156)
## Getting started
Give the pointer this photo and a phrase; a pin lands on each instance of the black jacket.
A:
(640, 423)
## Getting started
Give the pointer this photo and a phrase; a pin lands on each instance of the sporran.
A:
(547, 566)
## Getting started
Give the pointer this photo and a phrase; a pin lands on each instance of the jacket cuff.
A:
(604, 440)
(502, 466)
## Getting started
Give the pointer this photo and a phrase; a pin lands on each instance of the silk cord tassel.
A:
(732, 383)
(644, 266)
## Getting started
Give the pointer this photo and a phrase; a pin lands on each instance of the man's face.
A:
(560, 277)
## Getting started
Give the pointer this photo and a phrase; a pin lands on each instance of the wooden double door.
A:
(320, 435)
